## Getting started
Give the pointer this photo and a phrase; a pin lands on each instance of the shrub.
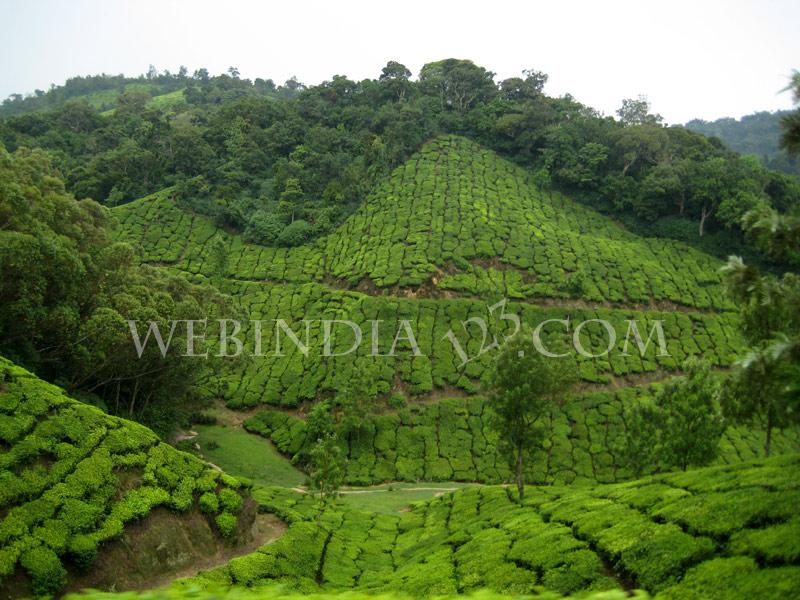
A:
(397, 401)
(296, 233)
(82, 550)
(47, 574)
(226, 522)
(264, 228)
(209, 503)
(231, 501)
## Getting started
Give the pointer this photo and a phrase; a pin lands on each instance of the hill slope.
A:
(452, 440)
(74, 479)
(451, 229)
(722, 532)
(456, 218)
(758, 134)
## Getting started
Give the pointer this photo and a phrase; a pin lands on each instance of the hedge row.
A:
(450, 440)
(278, 592)
(294, 377)
(72, 476)
(456, 217)
(676, 535)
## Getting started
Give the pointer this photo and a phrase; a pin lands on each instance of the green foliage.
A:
(327, 467)
(757, 134)
(82, 551)
(585, 442)
(44, 568)
(91, 488)
(209, 503)
(681, 427)
(76, 289)
(523, 389)
(226, 523)
(231, 501)
(765, 384)
(667, 534)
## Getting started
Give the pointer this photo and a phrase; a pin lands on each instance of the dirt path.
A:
(405, 489)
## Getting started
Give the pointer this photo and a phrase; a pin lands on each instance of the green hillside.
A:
(451, 229)
(270, 592)
(101, 95)
(74, 479)
(452, 440)
(758, 134)
(721, 532)
(454, 219)
(379, 463)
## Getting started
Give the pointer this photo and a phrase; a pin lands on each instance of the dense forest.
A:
(285, 164)
(758, 134)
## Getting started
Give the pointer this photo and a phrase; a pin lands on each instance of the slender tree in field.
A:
(327, 468)
(764, 387)
(523, 389)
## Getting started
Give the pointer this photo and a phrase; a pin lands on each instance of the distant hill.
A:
(756, 134)
(99, 91)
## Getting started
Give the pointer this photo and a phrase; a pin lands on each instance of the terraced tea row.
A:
(732, 529)
(455, 219)
(452, 440)
(294, 377)
(279, 592)
(72, 477)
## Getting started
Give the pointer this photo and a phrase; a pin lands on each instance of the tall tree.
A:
(395, 78)
(680, 427)
(458, 83)
(327, 468)
(523, 389)
(636, 111)
(790, 140)
(765, 385)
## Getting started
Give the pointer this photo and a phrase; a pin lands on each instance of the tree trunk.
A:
(520, 481)
(704, 214)
(769, 434)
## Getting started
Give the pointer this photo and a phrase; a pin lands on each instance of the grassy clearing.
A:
(245, 455)
(395, 497)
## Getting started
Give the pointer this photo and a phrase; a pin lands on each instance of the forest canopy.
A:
(286, 163)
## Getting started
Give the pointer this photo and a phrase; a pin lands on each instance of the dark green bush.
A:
(44, 568)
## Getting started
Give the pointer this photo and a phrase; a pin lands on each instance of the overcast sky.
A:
(704, 59)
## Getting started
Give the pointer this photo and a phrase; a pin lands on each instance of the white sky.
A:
(704, 59)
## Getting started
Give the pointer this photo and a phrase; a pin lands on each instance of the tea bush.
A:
(450, 440)
(294, 377)
(563, 540)
(71, 477)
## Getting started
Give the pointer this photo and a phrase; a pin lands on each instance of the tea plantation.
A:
(72, 478)
(454, 219)
(453, 231)
(296, 377)
(730, 529)
(451, 440)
